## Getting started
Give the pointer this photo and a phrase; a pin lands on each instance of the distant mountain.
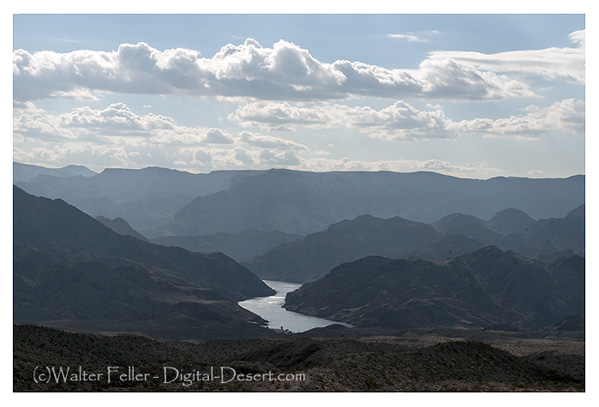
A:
(454, 235)
(509, 221)
(485, 288)
(547, 236)
(313, 257)
(120, 226)
(161, 202)
(468, 226)
(71, 271)
(240, 246)
(145, 198)
(305, 202)
(447, 248)
(27, 172)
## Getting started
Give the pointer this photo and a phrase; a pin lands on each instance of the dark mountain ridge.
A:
(554, 234)
(27, 172)
(509, 221)
(313, 256)
(161, 202)
(488, 287)
(304, 202)
(120, 226)
(144, 197)
(71, 271)
(431, 360)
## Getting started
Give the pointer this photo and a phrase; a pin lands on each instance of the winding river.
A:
(271, 309)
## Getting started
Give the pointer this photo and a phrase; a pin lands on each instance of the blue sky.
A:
(466, 95)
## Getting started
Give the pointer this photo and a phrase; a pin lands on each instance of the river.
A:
(271, 309)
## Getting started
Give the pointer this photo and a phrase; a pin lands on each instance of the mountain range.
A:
(161, 202)
(71, 271)
(120, 226)
(486, 288)
(99, 251)
(145, 198)
(305, 202)
(27, 172)
(315, 255)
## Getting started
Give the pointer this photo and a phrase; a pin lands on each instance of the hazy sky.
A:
(472, 96)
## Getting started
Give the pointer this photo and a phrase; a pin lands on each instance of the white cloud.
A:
(260, 140)
(408, 37)
(284, 71)
(271, 158)
(195, 157)
(474, 170)
(578, 37)
(415, 37)
(567, 116)
(398, 121)
(281, 116)
(244, 157)
(402, 121)
(557, 64)
(216, 136)
(116, 136)
(116, 122)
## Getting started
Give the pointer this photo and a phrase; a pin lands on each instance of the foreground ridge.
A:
(400, 361)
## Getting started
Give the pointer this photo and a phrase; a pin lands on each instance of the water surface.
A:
(270, 308)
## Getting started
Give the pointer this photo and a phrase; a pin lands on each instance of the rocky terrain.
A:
(329, 359)
(485, 288)
(312, 257)
(73, 272)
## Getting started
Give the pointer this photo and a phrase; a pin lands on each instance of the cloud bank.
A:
(402, 121)
(555, 64)
(285, 72)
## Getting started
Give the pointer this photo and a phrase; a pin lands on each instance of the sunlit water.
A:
(270, 309)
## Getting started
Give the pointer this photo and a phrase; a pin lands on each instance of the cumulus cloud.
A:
(271, 158)
(578, 37)
(280, 116)
(398, 121)
(77, 139)
(285, 71)
(566, 115)
(196, 157)
(556, 64)
(216, 136)
(263, 141)
(402, 121)
(244, 157)
(115, 121)
(118, 136)
(65, 153)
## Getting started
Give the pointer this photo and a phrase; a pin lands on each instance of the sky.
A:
(474, 96)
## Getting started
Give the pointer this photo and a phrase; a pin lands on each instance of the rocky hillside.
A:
(71, 271)
(308, 202)
(315, 255)
(485, 288)
(406, 361)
